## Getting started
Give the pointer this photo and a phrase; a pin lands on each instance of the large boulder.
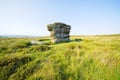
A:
(59, 32)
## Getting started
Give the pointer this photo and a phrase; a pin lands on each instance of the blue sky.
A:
(86, 17)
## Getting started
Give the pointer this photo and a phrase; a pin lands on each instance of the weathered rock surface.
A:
(36, 42)
(59, 32)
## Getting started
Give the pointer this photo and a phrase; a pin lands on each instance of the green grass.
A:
(83, 58)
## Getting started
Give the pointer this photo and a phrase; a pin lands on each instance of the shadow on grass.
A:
(48, 41)
(75, 40)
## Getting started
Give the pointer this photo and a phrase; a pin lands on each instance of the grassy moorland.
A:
(93, 58)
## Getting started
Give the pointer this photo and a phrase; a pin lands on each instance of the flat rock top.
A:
(57, 25)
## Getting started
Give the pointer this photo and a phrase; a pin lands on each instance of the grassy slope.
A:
(94, 58)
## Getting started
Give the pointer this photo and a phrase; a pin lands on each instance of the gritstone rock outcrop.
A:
(59, 32)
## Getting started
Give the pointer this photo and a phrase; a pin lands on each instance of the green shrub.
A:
(40, 47)
(20, 44)
(8, 66)
(78, 39)
(2, 48)
(43, 39)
